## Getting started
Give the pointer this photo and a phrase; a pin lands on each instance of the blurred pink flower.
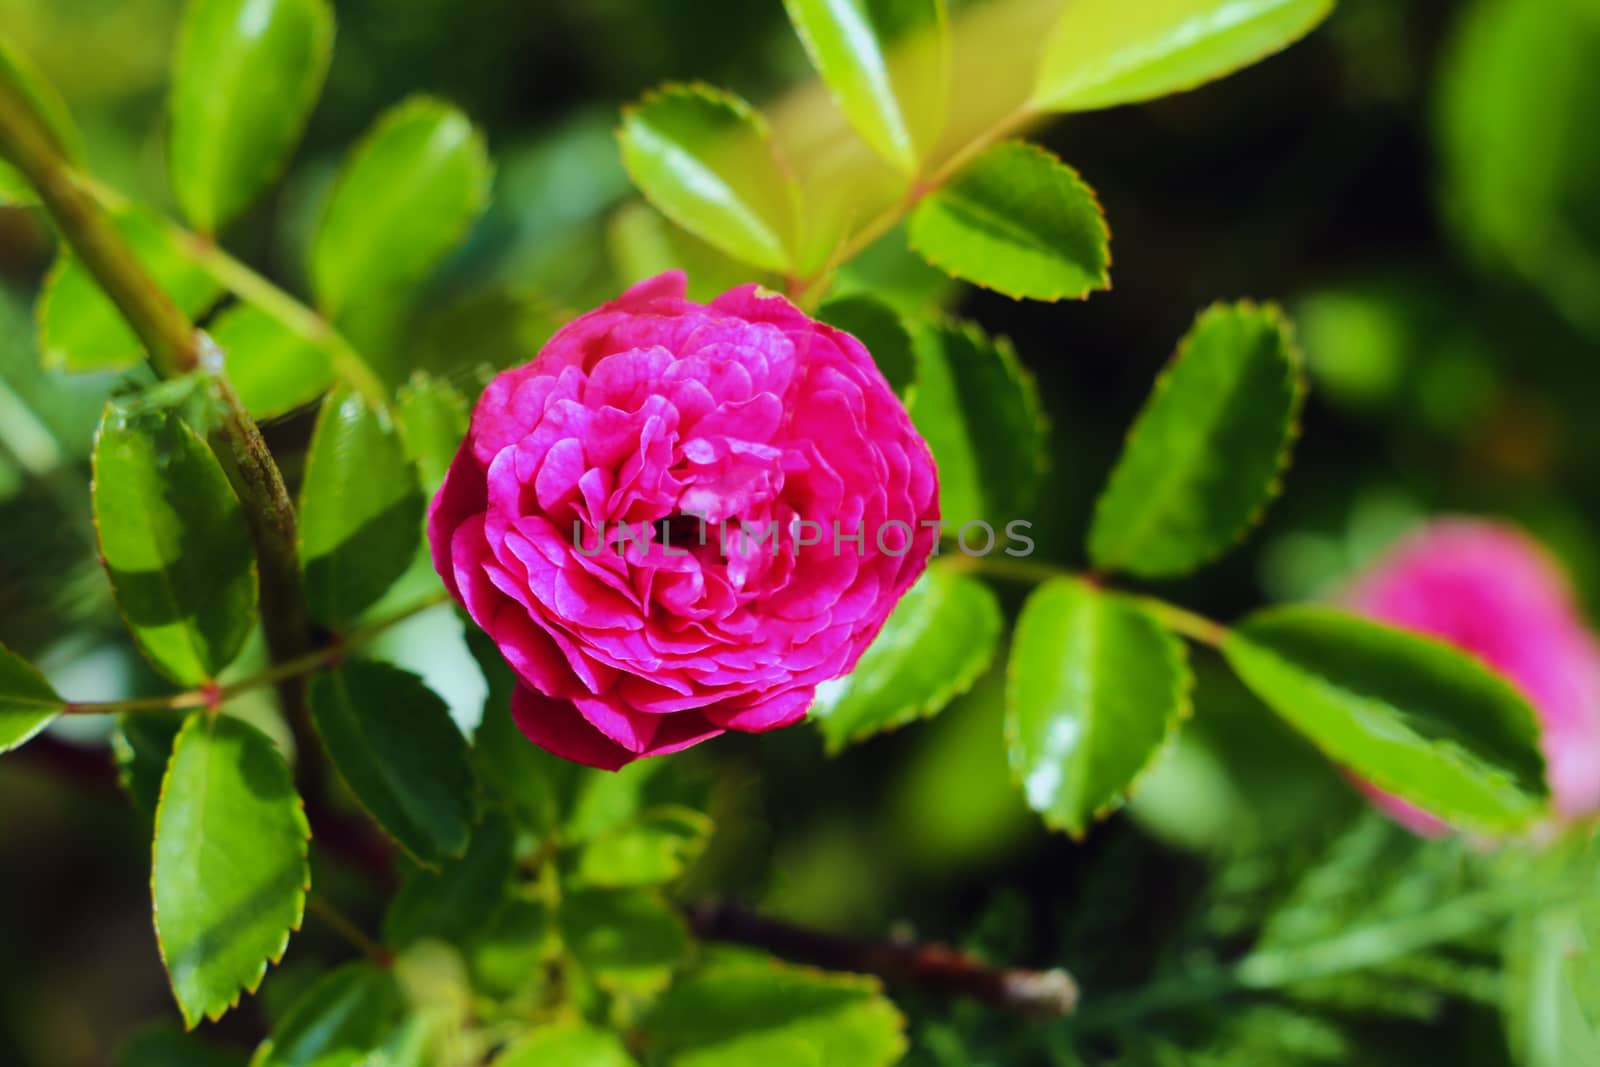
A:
(1490, 590)
(680, 518)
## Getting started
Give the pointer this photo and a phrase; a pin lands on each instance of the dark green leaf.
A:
(567, 1045)
(935, 644)
(340, 1021)
(704, 158)
(394, 742)
(164, 1045)
(1411, 715)
(433, 420)
(1103, 53)
(1019, 221)
(274, 369)
(244, 79)
(887, 63)
(142, 747)
(360, 509)
(655, 850)
(1096, 690)
(880, 328)
(19, 73)
(27, 701)
(629, 941)
(174, 541)
(405, 197)
(1205, 456)
(231, 874)
(462, 896)
(510, 954)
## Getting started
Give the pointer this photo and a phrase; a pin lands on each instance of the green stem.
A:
(345, 927)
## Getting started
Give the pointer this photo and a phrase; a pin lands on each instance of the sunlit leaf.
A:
(654, 850)
(27, 702)
(629, 941)
(273, 368)
(567, 1045)
(433, 420)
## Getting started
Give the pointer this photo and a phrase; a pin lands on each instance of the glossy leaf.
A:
(433, 420)
(1412, 716)
(881, 330)
(230, 872)
(887, 64)
(339, 1021)
(404, 198)
(705, 159)
(80, 329)
(1205, 456)
(459, 899)
(273, 369)
(1096, 689)
(360, 509)
(654, 850)
(244, 80)
(1019, 221)
(175, 543)
(142, 747)
(20, 73)
(27, 701)
(938, 640)
(1102, 53)
(394, 742)
(738, 1014)
(628, 941)
(567, 1045)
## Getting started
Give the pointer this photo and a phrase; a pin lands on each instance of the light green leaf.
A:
(655, 850)
(142, 748)
(80, 329)
(887, 63)
(19, 72)
(405, 197)
(978, 409)
(642, 242)
(1096, 690)
(705, 159)
(360, 509)
(1205, 456)
(882, 331)
(1103, 53)
(509, 955)
(1553, 988)
(567, 1045)
(27, 701)
(433, 420)
(175, 543)
(394, 742)
(629, 941)
(1019, 221)
(340, 1021)
(734, 1015)
(935, 644)
(230, 873)
(244, 80)
(1412, 716)
(273, 369)
(460, 898)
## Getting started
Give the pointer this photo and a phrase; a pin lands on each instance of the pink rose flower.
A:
(1491, 591)
(680, 518)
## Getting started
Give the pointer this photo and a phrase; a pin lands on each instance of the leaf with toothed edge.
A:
(27, 701)
(230, 871)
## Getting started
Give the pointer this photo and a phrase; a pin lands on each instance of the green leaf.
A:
(461, 897)
(394, 742)
(734, 1015)
(887, 63)
(1019, 221)
(27, 701)
(1411, 715)
(244, 80)
(642, 242)
(174, 541)
(509, 955)
(164, 1045)
(935, 644)
(20, 73)
(705, 159)
(273, 369)
(360, 509)
(979, 410)
(1553, 988)
(142, 747)
(654, 850)
(1096, 690)
(338, 1022)
(567, 1045)
(81, 330)
(1206, 454)
(433, 420)
(881, 330)
(405, 197)
(230, 872)
(629, 941)
(1102, 53)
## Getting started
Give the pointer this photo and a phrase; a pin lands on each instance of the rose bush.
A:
(680, 518)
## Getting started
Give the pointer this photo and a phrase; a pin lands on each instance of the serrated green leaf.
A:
(1019, 221)
(734, 1015)
(20, 73)
(340, 1021)
(1204, 457)
(175, 543)
(394, 742)
(81, 330)
(705, 159)
(979, 411)
(1095, 690)
(273, 369)
(405, 197)
(1102, 53)
(567, 1045)
(142, 747)
(360, 509)
(881, 329)
(1409, 714)
(230, 871)
(462, 896)
(935, 644)
(27, 701)
(887, 63)
(629, 941)
(433, 420)
(654, 850)
(244, 80)
(164, 1045)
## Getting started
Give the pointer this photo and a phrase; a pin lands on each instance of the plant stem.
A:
(345, 927)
